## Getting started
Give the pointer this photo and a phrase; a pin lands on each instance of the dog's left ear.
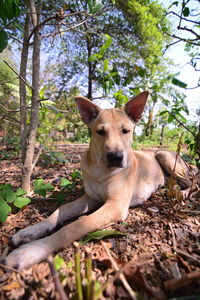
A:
(135, 106)
(87, 109)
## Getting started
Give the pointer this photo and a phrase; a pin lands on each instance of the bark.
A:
(28, 163)
(162, 135)
(22, 88)
(149, 126)
(90, 70)
(198, 142)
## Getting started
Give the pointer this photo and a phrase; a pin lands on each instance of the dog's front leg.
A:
(38, 250)
(63, 213)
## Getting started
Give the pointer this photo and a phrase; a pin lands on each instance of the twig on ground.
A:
(177, 283)
(58, 284)
(131, 292)
(161, 264)
(9, 268)
(188, 256)
(173, 237)
(180, 251)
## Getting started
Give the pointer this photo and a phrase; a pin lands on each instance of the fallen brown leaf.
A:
(10, 286)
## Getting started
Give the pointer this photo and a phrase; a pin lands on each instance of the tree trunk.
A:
(162, 135)
(149, 126)
(198, 142)
(90, 69)
(28, 163)
(22, 88)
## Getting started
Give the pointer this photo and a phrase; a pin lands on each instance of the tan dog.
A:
(115, 178)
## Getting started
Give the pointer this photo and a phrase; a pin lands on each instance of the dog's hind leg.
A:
(64, 213)
(173, 165)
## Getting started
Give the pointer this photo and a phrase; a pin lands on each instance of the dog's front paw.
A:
(30, 233)
(23, 236)
(26, 255)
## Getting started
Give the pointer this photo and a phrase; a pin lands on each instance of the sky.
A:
(187, 72)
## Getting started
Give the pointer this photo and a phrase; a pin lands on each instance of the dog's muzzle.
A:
(115, 159)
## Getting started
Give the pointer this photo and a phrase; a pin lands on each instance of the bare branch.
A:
(9, 117)
(181, 39)
(187, 20)
(14, 38)
(188, 129)
(189, 30)
(18, 75)
(122, 277)
(192, 88)
(8, 110)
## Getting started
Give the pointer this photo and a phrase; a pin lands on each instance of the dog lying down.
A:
(115, 178)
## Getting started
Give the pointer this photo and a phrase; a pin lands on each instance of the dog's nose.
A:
(114, 157)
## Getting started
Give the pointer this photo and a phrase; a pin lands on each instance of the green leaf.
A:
(106, 45)
(10, 196)
(174, 3)
(3, 40)
(97, 8)
(93, 57)
(41, 188)
(76, 174)
(8, 10)
(124, 224)
(170, 119)
(20, 192)
(4, 210)
(21, 202)
(186, 11)
(105, 65)
(163, 113)
(98, 235)
(94, 6)
(58, 262)
(179, 83)
(65, 182)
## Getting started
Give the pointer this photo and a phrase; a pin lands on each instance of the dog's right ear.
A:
(87, 109)
(135, 106)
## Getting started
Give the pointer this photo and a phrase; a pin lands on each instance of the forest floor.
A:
(159, 255)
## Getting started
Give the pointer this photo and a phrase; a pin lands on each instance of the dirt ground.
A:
(159, 255)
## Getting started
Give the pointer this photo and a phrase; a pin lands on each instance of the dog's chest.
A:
(95, 190)
(102, 188)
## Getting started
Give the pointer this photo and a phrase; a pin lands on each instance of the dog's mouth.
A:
(115, 165)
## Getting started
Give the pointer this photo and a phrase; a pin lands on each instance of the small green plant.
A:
(52, 158)
(12, 148)
(69, 185)
(10, 199)
(76, 175)
(86, 286)
(41, 188)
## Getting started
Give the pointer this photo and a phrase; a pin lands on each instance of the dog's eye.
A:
(101, 132)
(125, 131)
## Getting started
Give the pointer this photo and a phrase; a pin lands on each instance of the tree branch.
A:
(18, 75)
(9, 117)
(189, 30)
(173, 13)
(182, 124)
